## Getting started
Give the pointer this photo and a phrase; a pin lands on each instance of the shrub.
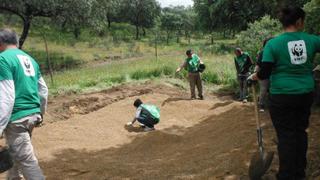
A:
(59, 62)
(251, 39)
(312, 23)
(211, 77)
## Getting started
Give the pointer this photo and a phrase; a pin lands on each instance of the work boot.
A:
(201, 97)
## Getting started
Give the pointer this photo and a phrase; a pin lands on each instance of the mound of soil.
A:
(210, 139)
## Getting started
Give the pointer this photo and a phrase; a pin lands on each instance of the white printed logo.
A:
(27, 65)
(298, 52)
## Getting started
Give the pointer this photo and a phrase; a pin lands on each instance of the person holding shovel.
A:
(147, 115)
(243, 64)
(23, 101)
(192, 64)
(288, 61)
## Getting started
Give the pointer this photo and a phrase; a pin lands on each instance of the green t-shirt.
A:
(153, 110)
(18, 66)
(241, 60)
(193, 63)
(293, 54)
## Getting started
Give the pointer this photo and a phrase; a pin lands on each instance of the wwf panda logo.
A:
(27, 64)
(298, 52)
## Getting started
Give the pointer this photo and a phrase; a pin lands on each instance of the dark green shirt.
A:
(292, 54)
(243, 63)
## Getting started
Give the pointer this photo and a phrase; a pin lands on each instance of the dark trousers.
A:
(290, 117)
(149, 122)
(242, 79)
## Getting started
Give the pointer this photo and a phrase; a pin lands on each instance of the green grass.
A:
(219, 71)
(95, 62)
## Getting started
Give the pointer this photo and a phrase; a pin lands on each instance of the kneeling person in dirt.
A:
(192, 64)
(23, 100)
(147, 115)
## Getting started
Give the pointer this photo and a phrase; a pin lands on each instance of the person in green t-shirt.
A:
(23, 101)
(147, 115)
(288, 61)
(191, 64)
(243, 64)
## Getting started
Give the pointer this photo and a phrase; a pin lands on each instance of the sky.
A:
(166, 3)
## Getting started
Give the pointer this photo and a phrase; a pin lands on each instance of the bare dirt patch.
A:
(210, 139)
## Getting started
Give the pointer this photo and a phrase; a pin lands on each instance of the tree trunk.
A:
(144, 32)
(25, 32)
(76, 32)
(212, 39)
(48, 57)
(224, 34)
(168, 33)
(156, 46)
(109, 23)
(137, 32)
(233, 33)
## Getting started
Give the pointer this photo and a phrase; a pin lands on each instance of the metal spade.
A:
(261, 160)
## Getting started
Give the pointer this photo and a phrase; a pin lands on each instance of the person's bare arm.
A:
(183, 65)
(136, 117)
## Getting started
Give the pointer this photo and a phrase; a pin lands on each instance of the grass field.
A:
(219, 72)
(93, 63)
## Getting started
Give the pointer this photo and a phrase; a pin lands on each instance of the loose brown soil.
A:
(84, 137)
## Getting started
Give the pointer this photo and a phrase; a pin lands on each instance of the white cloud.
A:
(166, 3)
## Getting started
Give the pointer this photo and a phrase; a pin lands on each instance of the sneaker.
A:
(244, 100)
(148, 129)
(142, 125)
(192, 98)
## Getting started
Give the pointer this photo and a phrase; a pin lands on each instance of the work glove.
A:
(251, 81)
(129, 124)
(39, 122)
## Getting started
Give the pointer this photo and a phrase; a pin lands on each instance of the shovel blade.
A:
(260, 164)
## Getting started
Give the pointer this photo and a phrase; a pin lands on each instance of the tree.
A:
(79, 13)
(300, 3)
(72, 12)
(140, 13)
(178, 19)
(232, 15)
(171, 21)
(113, 12)
(312, 20)
(251, 39)
(189, 19)
(28, 9)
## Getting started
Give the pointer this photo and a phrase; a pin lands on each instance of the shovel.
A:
(261, 160)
